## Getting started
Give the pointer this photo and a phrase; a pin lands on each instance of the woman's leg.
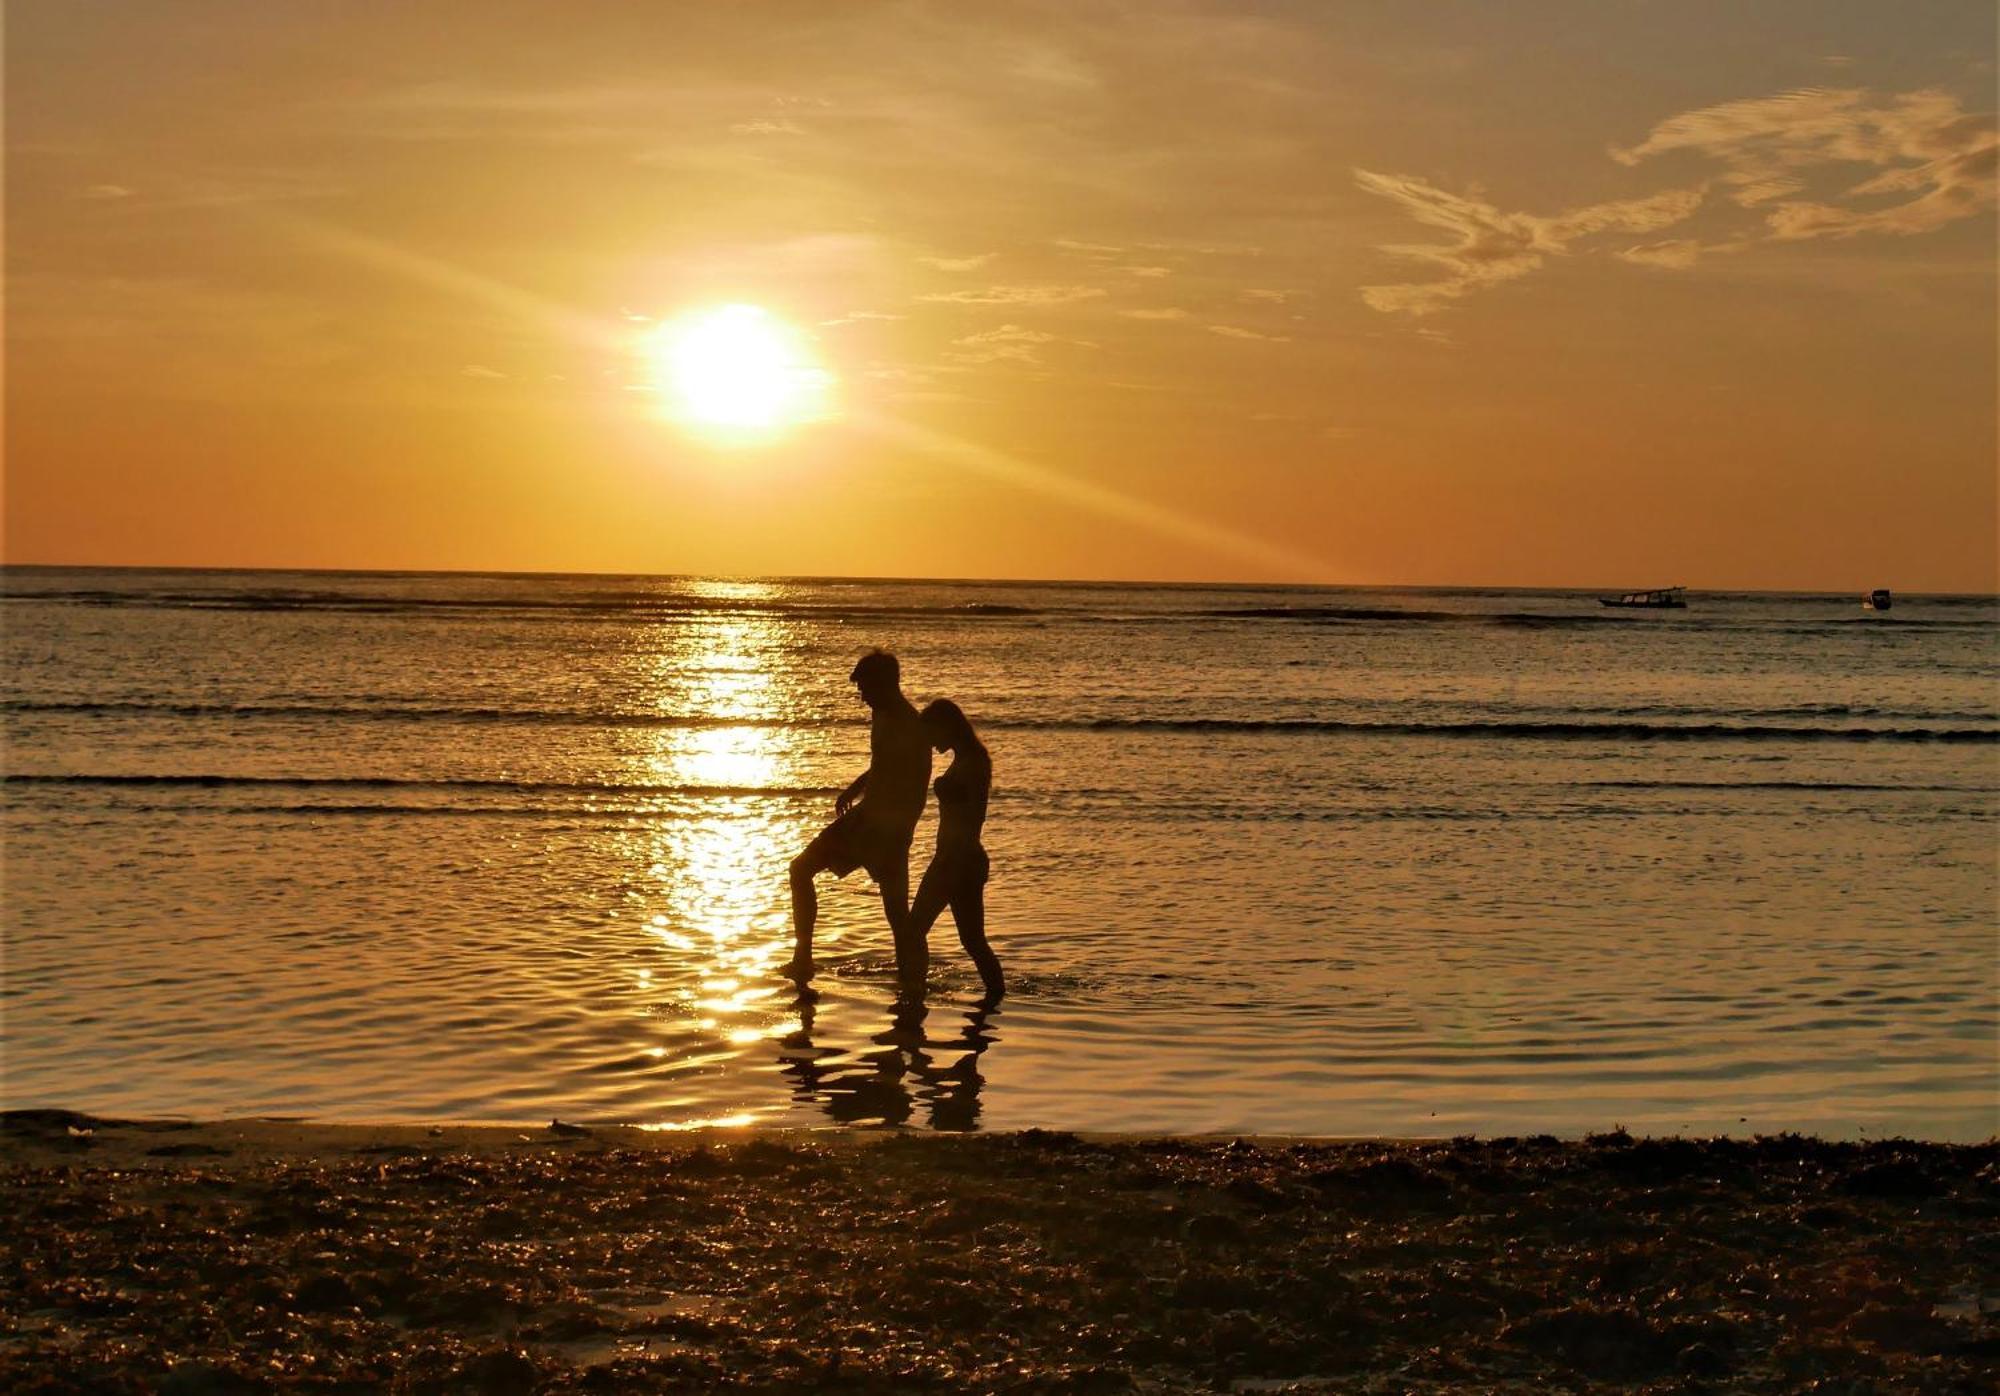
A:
(968, 910)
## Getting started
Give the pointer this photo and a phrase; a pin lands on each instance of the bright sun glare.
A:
(737, 372)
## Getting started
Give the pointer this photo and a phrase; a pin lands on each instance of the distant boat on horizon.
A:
(1877, 600)
(1657, 599)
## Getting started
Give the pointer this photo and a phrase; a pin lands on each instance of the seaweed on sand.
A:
(1029, 1262)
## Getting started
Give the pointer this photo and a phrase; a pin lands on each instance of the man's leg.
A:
(805, 910)
(912, 959)
(933, 895)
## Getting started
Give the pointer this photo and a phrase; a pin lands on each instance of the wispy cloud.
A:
(957, 263)
(1147, 273)
(1165, 312)
(1017, 295)
(901, 373)
(1489, 245)
(1200, 249)
(1925, 144)
(1238, 332)
(1099, 250)
(1675, 253)
(454, 96)
(1009, 343)
(1931, 163)
(767, 128)
(1275, 295)
(853, 316)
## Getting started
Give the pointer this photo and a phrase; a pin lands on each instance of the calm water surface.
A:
(409, 847)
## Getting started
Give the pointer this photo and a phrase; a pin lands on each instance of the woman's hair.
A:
(947, 715)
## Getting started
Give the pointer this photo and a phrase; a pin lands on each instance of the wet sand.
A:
(264, 1255)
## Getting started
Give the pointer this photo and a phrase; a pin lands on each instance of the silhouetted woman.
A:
(956, 877)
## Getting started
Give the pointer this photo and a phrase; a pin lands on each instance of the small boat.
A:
(1877, 600)
(1658, 599)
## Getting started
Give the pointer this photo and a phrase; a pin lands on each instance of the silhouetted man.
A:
(874, 818)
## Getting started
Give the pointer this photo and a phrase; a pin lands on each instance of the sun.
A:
(737, 373)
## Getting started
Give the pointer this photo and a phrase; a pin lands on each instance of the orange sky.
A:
(1562, 294)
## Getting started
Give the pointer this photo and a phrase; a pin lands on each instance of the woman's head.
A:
(948, 726)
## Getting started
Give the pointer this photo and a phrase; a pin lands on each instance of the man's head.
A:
(878, 676)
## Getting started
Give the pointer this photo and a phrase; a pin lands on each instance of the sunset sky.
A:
(1602, 294)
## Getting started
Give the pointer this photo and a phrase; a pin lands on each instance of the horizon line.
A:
(7, 566)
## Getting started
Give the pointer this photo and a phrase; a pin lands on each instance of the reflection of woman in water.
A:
(957, 875)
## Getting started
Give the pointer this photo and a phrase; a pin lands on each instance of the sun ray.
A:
(1290, 564)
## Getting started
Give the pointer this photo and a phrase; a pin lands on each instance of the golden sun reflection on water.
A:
(738, 1120)
(733, 589)
(715, 893)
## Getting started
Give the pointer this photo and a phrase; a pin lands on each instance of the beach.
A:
(252, 1255)
(1347, 935)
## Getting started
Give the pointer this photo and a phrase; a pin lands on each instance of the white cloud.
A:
(1238, 332)
(1275, 296)
(1165, 312)
(1148, 273)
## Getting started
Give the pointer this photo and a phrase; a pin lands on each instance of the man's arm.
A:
(845, 800)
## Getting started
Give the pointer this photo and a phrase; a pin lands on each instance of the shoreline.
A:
(38, 1136)
(253, 1255)
(45, 1135)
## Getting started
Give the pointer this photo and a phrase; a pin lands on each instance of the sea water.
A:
(1315, 861)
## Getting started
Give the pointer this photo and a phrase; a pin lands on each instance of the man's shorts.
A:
(859, 840)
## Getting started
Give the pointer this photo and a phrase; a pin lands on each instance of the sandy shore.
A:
(258, 1255)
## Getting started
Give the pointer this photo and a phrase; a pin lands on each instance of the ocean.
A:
(424, 847)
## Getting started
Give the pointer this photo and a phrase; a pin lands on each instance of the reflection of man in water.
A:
(874, 818)
(888, 1084)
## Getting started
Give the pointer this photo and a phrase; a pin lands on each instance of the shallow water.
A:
(1331, 862)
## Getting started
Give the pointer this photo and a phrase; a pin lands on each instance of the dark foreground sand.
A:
(250, 1256)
